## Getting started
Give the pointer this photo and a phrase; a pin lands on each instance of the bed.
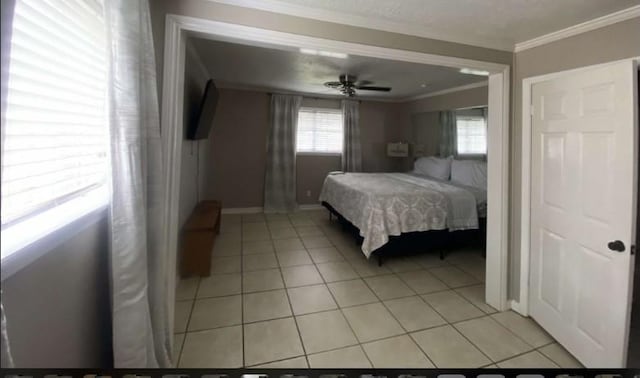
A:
(381, 205)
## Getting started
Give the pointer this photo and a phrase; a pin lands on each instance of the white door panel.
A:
(582, 195)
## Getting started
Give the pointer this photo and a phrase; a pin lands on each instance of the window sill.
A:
(318, 153)
(21, 245)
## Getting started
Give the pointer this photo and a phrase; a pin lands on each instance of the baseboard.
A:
(515, 306)
(242, 210)
(260, 209)
(314, 206)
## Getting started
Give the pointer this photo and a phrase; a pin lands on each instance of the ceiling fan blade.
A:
(370, 88)
(362, 83)
(333, 84)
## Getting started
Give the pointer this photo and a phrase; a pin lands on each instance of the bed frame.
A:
(416, 242)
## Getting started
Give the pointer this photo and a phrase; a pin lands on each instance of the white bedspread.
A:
(385, 204)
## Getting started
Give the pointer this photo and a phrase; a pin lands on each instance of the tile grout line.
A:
(522, 354)
(306, 356)
(407, 333)
(295, 320)
(452, 325)
(441, 315)
(184, 340)
(345, 318)
(274, 361)
(482, 351)
(329, 310)
(396, 274)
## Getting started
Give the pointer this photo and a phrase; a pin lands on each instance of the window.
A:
(319, 131)
(471, 135)
(54, 156)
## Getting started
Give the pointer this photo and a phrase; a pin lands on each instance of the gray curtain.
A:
(447, 133)
(351, 150)
(280, 179)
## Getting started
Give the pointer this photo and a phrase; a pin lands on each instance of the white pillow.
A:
(433, 166)
(470, 173)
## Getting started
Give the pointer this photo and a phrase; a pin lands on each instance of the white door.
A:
(582, 198)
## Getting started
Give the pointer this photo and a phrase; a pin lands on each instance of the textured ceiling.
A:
(498, 23)
(252, 67)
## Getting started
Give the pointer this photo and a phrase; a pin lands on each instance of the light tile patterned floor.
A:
(295, 291)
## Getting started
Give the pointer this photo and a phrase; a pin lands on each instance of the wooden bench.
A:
(198, 238)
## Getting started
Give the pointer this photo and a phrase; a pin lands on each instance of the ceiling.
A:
(488, 23)
(285, 70)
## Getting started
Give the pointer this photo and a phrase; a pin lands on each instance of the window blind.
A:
(471, 135)
(55, 142)
(320, 130)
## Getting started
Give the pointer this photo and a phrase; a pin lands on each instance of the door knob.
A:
(616, 245)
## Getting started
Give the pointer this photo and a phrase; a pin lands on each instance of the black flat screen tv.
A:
(203, 122)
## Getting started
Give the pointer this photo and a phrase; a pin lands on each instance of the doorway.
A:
(177, 29)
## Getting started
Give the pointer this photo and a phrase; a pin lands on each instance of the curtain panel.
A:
(142, 272)
(280, 177)
(447, 133)
(351, 149)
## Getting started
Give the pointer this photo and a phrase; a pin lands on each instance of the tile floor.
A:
(295, 291)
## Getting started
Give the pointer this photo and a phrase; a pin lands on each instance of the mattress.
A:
(386, 204)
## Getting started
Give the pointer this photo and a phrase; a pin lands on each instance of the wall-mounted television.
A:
(202, 125)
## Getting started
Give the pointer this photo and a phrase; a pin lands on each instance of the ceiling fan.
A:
(348, 85)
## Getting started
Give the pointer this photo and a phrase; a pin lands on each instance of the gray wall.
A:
(58, 307)
(610, 43)
(426, 131)
(234, 168)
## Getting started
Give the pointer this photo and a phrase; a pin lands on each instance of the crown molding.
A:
(584, 27)
(281, 7)
(277, 6)
(449, 90)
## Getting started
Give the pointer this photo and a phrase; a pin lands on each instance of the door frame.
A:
(179, 27)
(522, 305)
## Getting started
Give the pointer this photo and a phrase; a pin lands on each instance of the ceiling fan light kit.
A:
(470, 71)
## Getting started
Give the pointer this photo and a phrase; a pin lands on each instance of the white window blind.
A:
(55, 142)
(320, 130)
(471, 135)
